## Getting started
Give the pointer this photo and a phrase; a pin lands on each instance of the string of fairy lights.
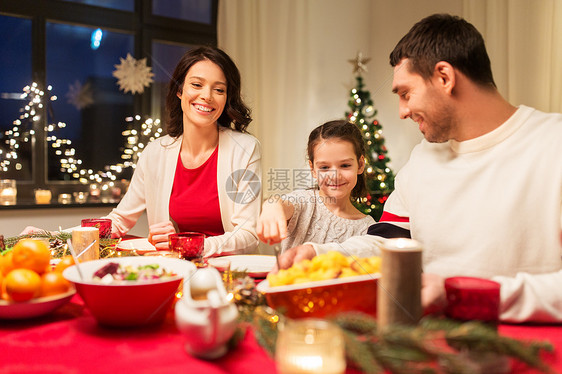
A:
(136, 138)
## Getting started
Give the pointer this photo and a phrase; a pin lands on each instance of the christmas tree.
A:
(378, 175)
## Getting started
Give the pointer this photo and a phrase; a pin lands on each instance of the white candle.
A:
(81, 238)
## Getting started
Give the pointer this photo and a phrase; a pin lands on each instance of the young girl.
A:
(336, 154)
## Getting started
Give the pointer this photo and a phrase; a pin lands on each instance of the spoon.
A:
(71, 249)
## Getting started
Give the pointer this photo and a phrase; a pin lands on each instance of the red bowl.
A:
(324, 298)
(134, 303)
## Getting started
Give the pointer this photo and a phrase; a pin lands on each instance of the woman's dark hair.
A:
(235, 115)
(342, 130)
(443, 37)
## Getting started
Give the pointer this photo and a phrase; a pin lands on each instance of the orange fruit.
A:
(22, 284)
(31, 254)
(6, 263)
(64, 262)
(53, 283)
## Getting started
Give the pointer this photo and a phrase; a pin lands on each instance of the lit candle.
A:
(42, 196)
(65, 198)
(81, 238)
(80, 197)
(310, 346)
(8, 192)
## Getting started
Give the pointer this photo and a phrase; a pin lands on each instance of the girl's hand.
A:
(158, 234)
(272, 224)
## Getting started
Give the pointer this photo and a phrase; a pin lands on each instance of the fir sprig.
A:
(57, 241)
(433, 346)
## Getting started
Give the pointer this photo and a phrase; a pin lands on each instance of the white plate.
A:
(35, 307)
(257, 266)
(140, 245)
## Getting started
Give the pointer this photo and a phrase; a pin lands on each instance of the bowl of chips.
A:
(328, 284)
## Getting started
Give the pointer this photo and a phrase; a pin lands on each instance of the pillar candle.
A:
(81, 238)
(399, 288)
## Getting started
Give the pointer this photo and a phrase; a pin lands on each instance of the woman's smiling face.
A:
(203, 96)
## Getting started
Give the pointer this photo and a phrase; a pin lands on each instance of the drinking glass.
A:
(188, 245)
(8, 192)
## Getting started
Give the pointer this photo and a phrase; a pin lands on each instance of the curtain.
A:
(292, 56)
(524, 41)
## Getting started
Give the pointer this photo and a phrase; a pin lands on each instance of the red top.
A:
(194, 203)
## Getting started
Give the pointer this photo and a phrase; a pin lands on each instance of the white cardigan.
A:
(239, 202)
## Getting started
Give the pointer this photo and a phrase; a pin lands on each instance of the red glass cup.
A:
(472, 299)
(188, 245)
(103, 225)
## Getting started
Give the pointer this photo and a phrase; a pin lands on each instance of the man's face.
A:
(424, 102)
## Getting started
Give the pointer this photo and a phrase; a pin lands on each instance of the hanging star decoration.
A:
(80, 96)
(359, 63)
(133, 75)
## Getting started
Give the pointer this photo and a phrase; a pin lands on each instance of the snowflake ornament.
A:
(79, 95)
(133, 75)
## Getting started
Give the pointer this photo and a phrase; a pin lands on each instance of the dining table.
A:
(69, 340)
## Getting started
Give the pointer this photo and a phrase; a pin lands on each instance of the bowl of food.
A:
(129, 291)
(326, 285)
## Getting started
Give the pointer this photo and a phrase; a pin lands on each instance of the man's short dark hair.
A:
(443, 37)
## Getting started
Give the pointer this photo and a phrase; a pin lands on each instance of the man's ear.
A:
(444, 76)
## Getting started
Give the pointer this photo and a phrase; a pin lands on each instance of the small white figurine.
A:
(205, 315)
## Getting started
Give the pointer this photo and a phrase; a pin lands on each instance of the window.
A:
(82, 120)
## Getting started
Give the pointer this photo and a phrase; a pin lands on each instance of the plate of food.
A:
(257, 266)
(326, 285)
(35, 307)
(139, 245)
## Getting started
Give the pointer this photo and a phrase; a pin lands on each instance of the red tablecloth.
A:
(70, 341)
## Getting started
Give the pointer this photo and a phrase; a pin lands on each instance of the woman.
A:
(205, 174)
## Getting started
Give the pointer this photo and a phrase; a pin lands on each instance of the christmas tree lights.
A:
(378, 175)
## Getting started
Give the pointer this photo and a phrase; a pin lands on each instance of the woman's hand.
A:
(31, 230)
(272, 224)
(158, 234)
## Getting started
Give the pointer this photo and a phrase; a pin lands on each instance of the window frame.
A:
(141, 23)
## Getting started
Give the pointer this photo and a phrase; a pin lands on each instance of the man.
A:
(483, 191)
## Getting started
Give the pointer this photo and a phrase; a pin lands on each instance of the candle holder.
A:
(8, 192)
(42, 196)
(102, 224)
(95, 192)
(80, 197)
(65, 198)
(470, 298)
(310, 346)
